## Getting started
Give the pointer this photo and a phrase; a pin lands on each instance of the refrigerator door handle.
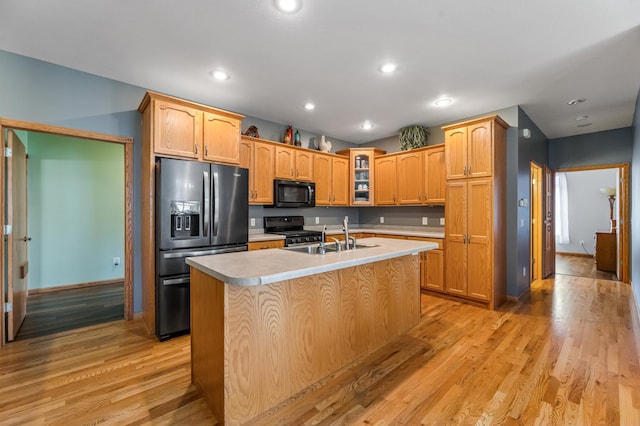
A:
(216, 203)
(207, 202)
(176, 281)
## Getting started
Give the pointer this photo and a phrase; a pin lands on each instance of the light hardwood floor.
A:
(569, 355)
(581, 266)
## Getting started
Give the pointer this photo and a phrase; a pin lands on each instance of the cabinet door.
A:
(479, 238)
(244, 154)
(480, 150)
(433, 270)
(435, 181)
(339, 182)
(456, 153)
(285, 163)
(262, 172)
(221, 138)
(409, 172)
(304, 165)
(455, 235)
(177, 130)
(385, 178)
(322, 177)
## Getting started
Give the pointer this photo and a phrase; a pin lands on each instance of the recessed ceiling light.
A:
(388, 68)
(443, 102)
(309, 106)
(576, 101)
(219, 75)
(288, 6)
(581, 117)
(367, 125)
(584, 125)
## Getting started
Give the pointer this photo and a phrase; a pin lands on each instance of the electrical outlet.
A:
(381, 219)
(581, 242)
(116, 261)
(253, 221)
(425, 220)
(317, 220)
(442, 221)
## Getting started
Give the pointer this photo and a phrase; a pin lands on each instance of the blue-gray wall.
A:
(592, 149)
(635, 204)
(519, 218)
(41, 92)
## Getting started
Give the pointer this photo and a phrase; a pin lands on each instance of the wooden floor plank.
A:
(568, 355)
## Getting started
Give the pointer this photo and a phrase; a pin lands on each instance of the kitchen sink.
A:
(329, 248)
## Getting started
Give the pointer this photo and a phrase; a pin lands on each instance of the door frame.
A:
(535, 213)
(128, 202)
(624, 223)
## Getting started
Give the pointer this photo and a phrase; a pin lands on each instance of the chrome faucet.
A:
(322, 248)
(347, 238)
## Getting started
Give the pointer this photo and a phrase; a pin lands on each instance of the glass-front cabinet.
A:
(361, 172)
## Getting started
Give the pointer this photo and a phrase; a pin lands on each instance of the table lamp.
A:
(611, 193)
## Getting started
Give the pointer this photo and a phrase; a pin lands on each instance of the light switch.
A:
(425, 220)
(442, 221)
(253, 221)
(317, 220)
(381, 219)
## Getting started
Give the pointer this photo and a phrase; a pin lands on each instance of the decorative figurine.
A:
(324, 145)
(252, 131)
(296, 139)
(288, 136)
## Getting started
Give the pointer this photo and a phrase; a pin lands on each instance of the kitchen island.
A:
(267, 324)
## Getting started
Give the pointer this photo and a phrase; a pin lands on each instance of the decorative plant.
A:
(414, 136)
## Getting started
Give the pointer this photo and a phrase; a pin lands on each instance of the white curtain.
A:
(562, 209)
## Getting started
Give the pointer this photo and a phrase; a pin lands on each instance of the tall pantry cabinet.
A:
(475, 259)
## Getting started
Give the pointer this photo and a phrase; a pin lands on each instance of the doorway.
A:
(592, 224)
(127, 193)
(536, 222)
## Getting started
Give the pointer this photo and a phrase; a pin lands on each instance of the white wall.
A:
(588, 208)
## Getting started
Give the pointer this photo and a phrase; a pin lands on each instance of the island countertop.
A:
(261, 267)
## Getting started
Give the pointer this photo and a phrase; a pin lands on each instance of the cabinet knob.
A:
(196, 145)
(290, 172)
(206, 150)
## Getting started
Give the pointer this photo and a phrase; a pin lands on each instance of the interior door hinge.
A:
(8, 152)
(7, 229)
(8, 307)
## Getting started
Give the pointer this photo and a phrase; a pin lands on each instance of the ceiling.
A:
(484, 55)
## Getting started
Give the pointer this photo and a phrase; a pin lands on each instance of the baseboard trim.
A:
(519, 299)
(74, 286)
(575, 254)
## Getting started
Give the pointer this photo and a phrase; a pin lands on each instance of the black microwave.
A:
(292, 193)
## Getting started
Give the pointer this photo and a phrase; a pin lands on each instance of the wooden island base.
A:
(253, 347)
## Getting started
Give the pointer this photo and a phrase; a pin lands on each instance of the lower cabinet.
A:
(432, 270)
(263, 245)
(431, 263)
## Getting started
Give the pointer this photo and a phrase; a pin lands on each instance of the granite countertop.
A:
(400, 230)
(261, 267)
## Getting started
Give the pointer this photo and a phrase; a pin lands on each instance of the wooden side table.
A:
(606, 251)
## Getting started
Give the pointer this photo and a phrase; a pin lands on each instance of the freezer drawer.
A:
(172, 307)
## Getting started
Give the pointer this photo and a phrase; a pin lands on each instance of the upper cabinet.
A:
(188, 130)
(259, 158)
(330, 173)
(221, 138)
(294, 163)
(469, 151)
(361, 174)
(177, 129)
(434, 174)
(411, 177)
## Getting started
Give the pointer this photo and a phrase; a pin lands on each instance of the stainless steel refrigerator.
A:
(201, 209)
